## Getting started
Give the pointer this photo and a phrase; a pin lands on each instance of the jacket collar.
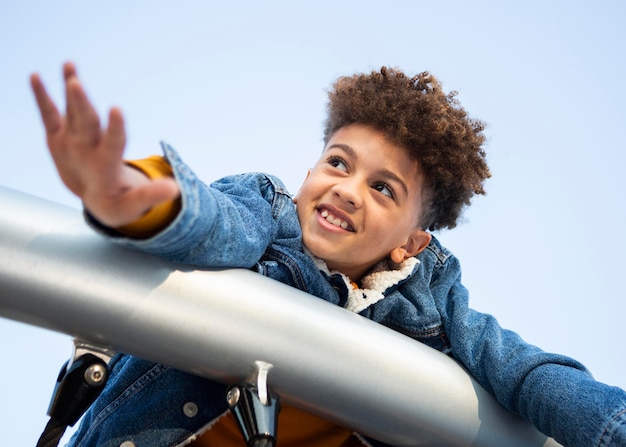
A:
(381, 277)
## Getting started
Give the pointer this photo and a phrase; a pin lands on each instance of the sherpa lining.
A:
(382, 276)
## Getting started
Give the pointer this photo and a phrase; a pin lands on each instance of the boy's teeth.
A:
(334, 220)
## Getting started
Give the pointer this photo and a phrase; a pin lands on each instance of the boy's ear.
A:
(417, 241)
(295, 198)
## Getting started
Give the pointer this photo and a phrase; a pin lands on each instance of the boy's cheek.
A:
(303, 185)
(299, 214)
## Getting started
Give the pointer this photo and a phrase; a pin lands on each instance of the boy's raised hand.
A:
(89, 159)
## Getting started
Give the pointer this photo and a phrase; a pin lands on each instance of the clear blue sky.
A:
(241, 86)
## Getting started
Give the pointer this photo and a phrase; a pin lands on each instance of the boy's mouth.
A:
(335, 220)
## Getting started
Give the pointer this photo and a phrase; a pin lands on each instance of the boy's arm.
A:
(89, 159)
(554, 392)
(229, 223)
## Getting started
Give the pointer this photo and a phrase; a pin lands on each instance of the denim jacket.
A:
(250, 221)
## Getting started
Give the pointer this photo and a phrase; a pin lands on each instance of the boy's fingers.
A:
(80, 112)
(69, 71)
(135, 202)
(82, 118)
(114, 139)
(47, 109)
(156, 192)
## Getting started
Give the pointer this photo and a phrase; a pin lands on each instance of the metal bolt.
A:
(95, 375)
(190, 409)
(233, 396)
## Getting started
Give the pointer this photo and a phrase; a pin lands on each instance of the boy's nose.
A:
(348, 193)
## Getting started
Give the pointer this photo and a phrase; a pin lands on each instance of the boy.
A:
(401, 158)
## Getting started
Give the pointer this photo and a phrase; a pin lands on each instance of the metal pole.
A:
(56, 274)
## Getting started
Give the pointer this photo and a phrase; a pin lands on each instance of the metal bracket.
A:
(80, 382)
(256, 407)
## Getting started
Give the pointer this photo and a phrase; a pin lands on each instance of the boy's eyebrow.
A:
(383, 172)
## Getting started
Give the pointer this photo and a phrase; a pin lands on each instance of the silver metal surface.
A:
(56, 274)
(82, 347)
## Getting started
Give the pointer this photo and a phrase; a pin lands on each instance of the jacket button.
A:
(127, 444)
(190, 409)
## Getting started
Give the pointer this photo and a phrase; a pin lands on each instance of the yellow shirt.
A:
(296, 428)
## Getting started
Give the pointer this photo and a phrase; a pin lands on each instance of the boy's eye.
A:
(385, 189)
(338, 163)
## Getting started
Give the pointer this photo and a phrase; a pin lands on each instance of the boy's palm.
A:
(90, 159)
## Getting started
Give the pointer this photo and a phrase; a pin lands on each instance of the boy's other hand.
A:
(89, 159)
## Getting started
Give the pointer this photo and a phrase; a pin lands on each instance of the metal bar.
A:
(56, 274)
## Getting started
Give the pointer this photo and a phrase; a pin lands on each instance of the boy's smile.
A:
(361, 202)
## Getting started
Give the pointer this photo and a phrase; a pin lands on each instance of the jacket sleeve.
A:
(229, 223)
(554, 392)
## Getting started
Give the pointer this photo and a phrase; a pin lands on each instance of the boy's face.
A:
(360, 203)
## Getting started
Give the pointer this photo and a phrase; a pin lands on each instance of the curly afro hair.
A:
(416, 114)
